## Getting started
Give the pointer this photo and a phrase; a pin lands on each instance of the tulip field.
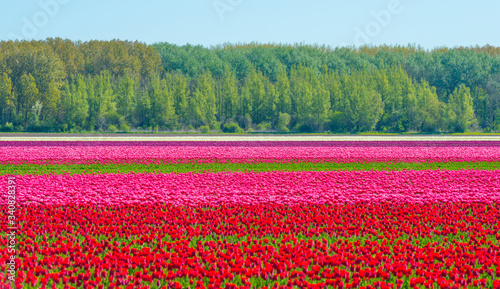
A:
(253, 214)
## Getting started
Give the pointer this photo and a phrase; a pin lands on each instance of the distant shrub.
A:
(215, 125)
(124, 127)
(39, 128)
(112, 128)
(8, 127)
(263, 126)
(204, 129)
(283, 122)
(232, 127)
(303, 128)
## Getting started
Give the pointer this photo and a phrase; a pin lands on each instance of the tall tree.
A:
(50, 99)
(162, 103)
(270, 102)
(227, 96)
(7, 99)
(284, 104)
(142, 113)
(125, 96)
(371, 108)
(178, 85)
(481, 105)
(460, 103)
(101, 101)
(28, 95)
(255, 86)
(431, 109)
(203, 102)
(75, 103)
(302, 96)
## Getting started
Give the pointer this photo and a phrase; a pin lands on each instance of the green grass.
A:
(238, 167)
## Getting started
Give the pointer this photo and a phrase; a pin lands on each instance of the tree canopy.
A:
(61, 85)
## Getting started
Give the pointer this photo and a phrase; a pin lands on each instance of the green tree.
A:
(178, 85)
(101, 100)
(331, 81)
(245, 105)
(255, 86)
(320, 105)
(482, 105)
(168, 110)
(76, 107)
(371, 109)
(460, 103)
(7, 99)
(349, 107)
(431, 109)
(284, 104)
(125, 96)
(270, 102)
(36, 109)
(50, 99)
(28, 94)
(227, 95)
(283, 122)
(203, 102)
(162, 103)
(302, 97)
(142, 113)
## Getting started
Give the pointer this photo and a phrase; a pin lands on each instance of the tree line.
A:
(61, 85)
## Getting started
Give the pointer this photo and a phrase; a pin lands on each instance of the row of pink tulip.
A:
(258, 142)
(172, 154)
(285, 188)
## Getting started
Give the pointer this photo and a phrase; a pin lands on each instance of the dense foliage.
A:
(60, 85)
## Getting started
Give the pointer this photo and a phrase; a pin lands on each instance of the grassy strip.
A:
(237, 167)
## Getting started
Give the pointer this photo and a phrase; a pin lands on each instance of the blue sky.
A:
(429, 23)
